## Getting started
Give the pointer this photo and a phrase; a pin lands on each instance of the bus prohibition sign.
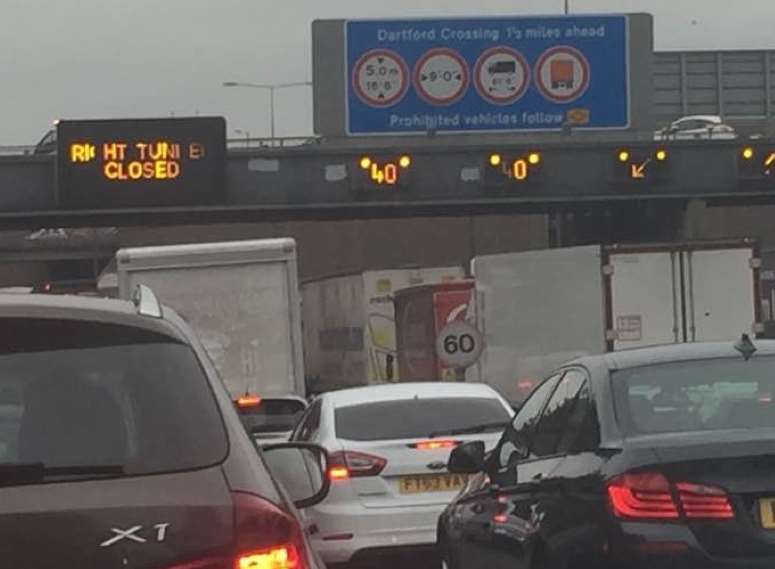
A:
(459, 344)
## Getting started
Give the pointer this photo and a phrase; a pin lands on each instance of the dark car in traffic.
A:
(656, 457)
(120, 448)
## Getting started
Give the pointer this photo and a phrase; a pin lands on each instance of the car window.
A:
(690, 125)
(271, 415)
(310, 423)
(299, 472)
(416, 418)
(698, 395)
(562, 417)
(76, 393)
(519, 435)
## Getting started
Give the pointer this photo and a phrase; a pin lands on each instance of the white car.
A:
(697, 127)
(389, 448)
(270, 420)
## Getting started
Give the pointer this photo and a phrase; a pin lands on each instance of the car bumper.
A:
(347, 530)
(640, 546)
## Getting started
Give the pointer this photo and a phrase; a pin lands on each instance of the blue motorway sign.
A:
(487, 75)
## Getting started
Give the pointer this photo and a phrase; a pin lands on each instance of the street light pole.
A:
(271, 111)
(567, 7)
(271, 88)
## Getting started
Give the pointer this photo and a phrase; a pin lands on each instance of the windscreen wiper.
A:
(30, 472)
(474, 429)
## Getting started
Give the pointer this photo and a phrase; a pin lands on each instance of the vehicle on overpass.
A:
(697, 127)
(242, 299)
(537, 309)
(120, 446)
(388, 447)
(652, 457)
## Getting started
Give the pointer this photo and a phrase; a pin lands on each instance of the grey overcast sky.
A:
(130, 58)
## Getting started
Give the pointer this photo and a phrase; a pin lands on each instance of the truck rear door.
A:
(721, 300)
(644, 298)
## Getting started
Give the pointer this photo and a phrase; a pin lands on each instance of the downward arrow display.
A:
(638, 171)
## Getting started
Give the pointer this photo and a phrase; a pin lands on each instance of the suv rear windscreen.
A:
(272, 415)
(83, 394)
(415, 418)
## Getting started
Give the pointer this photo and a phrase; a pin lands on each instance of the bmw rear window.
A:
(415, 418)
(81, 396)
(698, 395)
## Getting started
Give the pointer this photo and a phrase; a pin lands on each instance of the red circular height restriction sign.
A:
(380, 78)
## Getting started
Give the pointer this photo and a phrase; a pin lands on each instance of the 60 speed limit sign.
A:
(459, 344)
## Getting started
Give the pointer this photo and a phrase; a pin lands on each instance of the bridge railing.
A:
(17, 150)
(277, 142)
(231, 144)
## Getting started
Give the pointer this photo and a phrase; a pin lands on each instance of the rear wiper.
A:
(470, 430)
(25, 472)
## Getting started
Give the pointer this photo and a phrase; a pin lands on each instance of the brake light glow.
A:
(266, 537)
(704, 502)
(355, 464)
(435, 445)
(248, 401)
(642, 496)
(276, 558)
(338, 473)
(650, 496)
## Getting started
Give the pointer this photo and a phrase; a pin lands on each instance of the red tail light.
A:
(247, 401)
(642, 496)
(650, 496)
(265, 537)
(434, 445)
(275, 558)
(350, 464)
(704, 502)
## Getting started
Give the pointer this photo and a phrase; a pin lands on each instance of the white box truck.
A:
(242, 299)
(349, 324)
(541, 308)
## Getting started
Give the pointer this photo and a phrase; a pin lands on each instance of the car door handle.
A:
(538, 477)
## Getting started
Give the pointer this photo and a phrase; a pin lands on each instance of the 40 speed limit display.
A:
(459, 344)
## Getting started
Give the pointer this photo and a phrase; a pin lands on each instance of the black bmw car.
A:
(659, 457)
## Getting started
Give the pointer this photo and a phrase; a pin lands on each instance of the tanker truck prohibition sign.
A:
(459, 344)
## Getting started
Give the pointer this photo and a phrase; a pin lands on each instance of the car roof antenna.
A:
(745, 346)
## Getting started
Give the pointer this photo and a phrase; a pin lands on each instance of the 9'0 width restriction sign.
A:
(459, 344)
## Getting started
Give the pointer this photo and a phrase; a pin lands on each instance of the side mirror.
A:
(467, 458)
(301, 468)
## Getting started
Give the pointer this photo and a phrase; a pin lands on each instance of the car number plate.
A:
(767, 512)
(431, 483)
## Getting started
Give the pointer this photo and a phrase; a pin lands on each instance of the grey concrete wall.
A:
(702, 222)
(22, 274)
(328, 248)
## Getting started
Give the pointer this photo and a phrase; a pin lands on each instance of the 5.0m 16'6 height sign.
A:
(141, 163)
